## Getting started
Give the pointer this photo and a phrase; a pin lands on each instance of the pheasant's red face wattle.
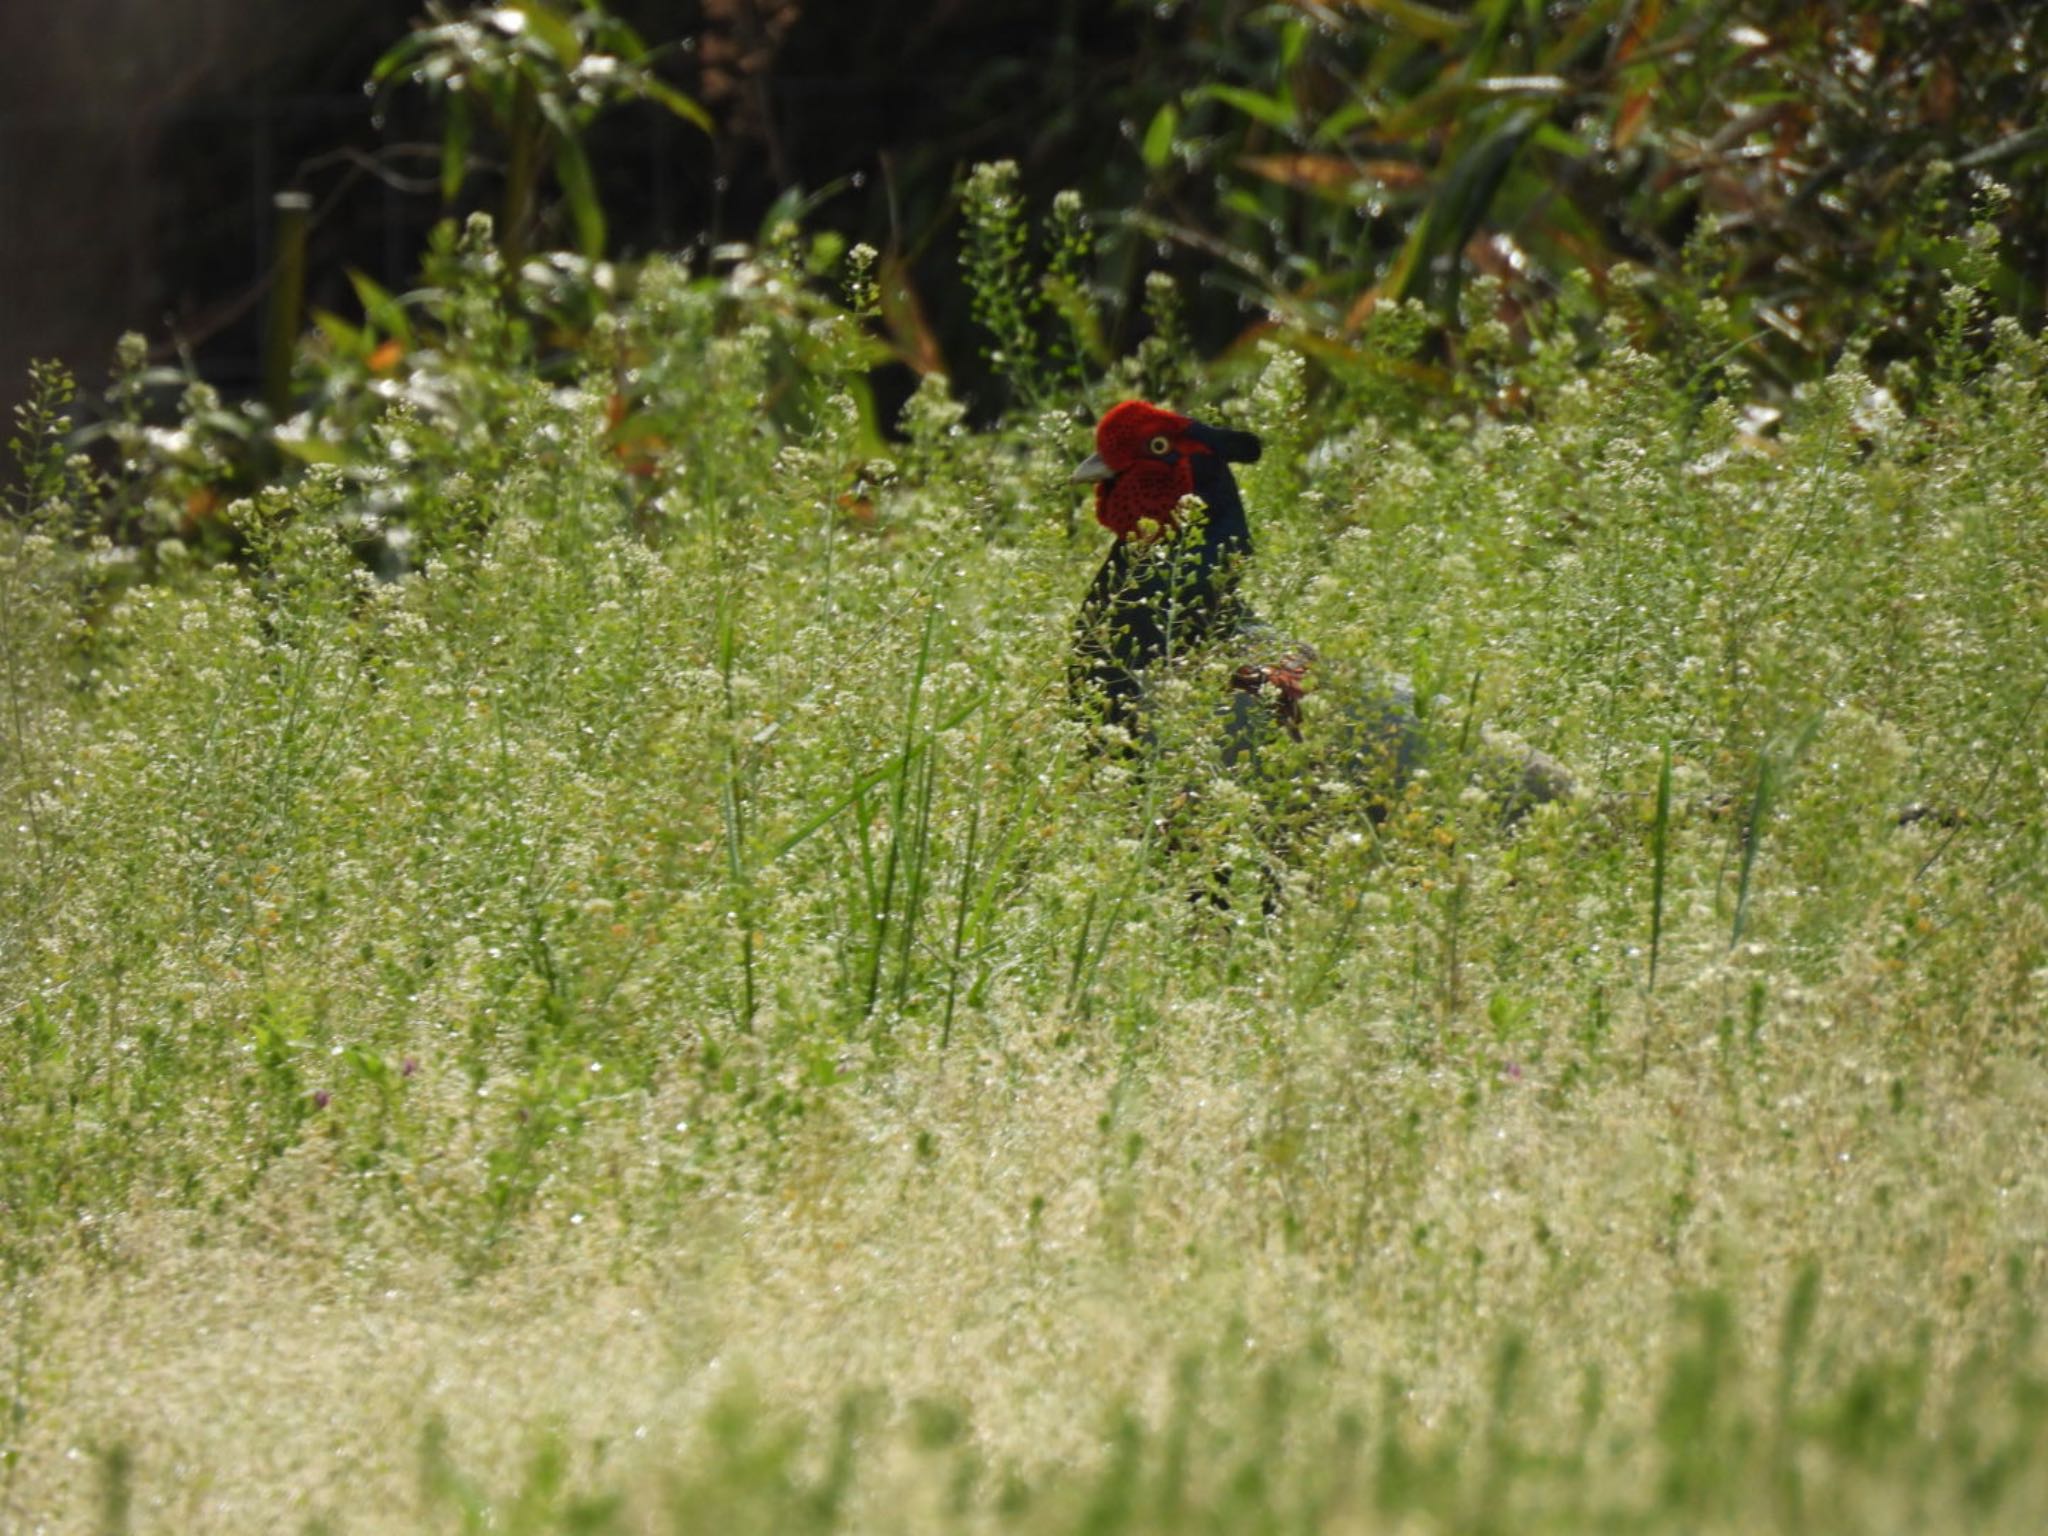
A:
(1146, 451)
(1144, 492)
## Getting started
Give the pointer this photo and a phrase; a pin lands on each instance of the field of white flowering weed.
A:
(564, 985)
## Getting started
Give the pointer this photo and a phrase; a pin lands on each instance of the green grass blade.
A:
(1660, 847)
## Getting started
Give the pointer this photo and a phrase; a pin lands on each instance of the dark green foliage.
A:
(1745, 179)
(536, 73)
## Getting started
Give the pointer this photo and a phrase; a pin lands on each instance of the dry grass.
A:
(1070, 1235)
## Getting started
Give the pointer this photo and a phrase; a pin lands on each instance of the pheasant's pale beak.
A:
(1091, 471)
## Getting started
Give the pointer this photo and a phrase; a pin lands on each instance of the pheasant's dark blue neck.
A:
(1165, 597)
(1227, 535)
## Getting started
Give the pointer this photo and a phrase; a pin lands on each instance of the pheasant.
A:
(1168, 591)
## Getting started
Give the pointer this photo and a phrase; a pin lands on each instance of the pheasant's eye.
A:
(1160, 446)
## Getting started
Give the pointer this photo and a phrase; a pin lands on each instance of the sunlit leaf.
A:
(380, 308)
(313, 450)
(346, 339)
(1071, 302)
(551, 29)
(1339, 355)
(1158, 144)
(1523, 85)
(1293, 38)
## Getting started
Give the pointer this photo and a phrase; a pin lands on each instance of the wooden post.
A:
(287, 300)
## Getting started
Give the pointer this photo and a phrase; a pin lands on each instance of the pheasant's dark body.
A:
(1170, 596)
(1168, 591)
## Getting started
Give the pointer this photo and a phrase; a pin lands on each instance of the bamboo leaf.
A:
(1461, 204)
(1274, 113)
(1334, 128)
(676, 102)
(1559, 142)
(400, 55)
(1416, 19)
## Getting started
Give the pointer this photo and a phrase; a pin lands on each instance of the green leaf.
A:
(313, 450)
(1338, 124)
(398, 56)
(616, 37)
(1159, 136)
(381, 309)
(346, 339)
(682, 106)
(1244, 203)
(227, 423)
(888, 770)
(1274, 113)
(1774, 767)
(1493, 31)
(1584, 36)
(1559, 142)
(572, 169)
(1293, 38)
(455, 146)
(551, 30)
(1418, 20)
(1660, 845)
(1463, 197)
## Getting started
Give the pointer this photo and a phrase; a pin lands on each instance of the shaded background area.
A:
(142, 140)
(1774, 165)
